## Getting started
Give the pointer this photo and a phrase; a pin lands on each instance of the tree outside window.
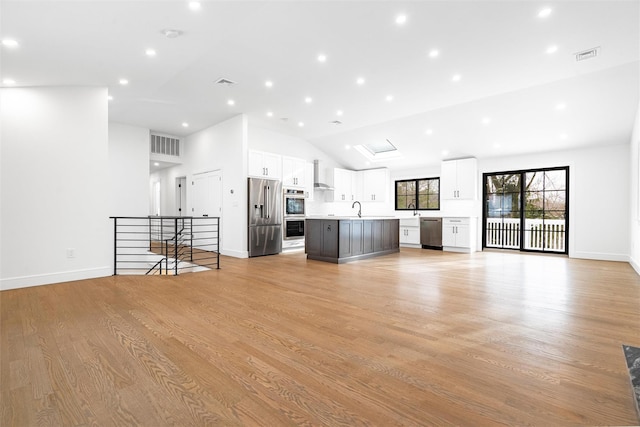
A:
(418, 194)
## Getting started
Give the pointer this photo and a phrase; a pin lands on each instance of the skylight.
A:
(380, 147)
(379, 150)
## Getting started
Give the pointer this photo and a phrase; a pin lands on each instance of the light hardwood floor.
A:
(415, 338)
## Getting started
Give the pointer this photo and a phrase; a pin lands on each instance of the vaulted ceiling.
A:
(440, 79)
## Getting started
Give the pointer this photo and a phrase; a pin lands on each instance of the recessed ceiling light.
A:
(123, 82)
(185, 124)
(308, 100)
(360, 81)
(544, 12)
(456, 78)
(8, 82)
(389, 98)
(194, 5)
(563, 136)
(322, 57)
(269, 114)
(231, 102)
(301, 124)
(561, 106)
(9, 43)
(347, 147)
(339, 113)
(268, 83)
(401, 19)
(434, 53)
(156, 164)
(110, 98)
(552, 49)
(496, 145)
(445, 152)
(150, 52)
(486, 121)
(429, 131)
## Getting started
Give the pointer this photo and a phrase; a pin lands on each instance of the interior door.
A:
(207, 202)
(207, 194)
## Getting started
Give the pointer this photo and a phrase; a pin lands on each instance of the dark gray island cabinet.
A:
(344, 239)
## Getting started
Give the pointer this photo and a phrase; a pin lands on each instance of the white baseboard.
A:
(634, 264)
(410, 245)
(235, 254)
(457, 249)
(47, 279)
(600, 256)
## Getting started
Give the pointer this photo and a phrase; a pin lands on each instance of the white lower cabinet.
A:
(459, 234)
(410, 232)
(410, 236)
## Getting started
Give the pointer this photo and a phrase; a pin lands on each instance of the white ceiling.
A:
(497, 47)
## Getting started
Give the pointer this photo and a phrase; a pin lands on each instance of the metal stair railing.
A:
(183, 244)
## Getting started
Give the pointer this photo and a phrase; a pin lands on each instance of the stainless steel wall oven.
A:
(293, 202)
(294, 213)
(293, 228)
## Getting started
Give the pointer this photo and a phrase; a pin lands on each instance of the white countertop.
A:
(349, 217)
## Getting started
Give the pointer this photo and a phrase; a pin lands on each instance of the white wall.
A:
(599, 206)
(54, 185)
(128, 170)
(634, 199)
(598, 196)
(221, 147)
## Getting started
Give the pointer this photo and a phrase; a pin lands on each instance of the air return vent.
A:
(165, 145)
(226, 82)
(587, 54)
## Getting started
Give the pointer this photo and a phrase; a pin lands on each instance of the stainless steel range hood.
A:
(319, 183)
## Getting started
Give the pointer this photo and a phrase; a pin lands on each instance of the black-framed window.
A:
(527, 210)
(418, 194)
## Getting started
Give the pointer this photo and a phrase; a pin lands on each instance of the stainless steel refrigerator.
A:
(265, 217)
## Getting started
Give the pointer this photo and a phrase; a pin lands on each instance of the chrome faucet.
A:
(359, 208)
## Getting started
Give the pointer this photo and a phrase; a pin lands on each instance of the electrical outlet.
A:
(71, 252)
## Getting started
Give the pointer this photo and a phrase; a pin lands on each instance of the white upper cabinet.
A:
(374, 185)
(294, 173)
(265, 165)
(308, 172)
(458, 179)
(343, 183)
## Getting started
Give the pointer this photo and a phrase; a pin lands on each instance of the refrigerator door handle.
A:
(266, 200)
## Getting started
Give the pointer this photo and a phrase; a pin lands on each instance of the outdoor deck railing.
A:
(548, 234)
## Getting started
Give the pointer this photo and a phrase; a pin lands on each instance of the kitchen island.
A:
(343, 239)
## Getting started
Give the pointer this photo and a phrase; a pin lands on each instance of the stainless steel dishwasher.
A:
(431, 233)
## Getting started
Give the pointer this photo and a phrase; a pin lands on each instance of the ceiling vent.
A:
(587, 54)
(171, 33)
(226, 82)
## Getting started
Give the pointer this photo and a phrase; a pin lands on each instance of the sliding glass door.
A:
(526, 210)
